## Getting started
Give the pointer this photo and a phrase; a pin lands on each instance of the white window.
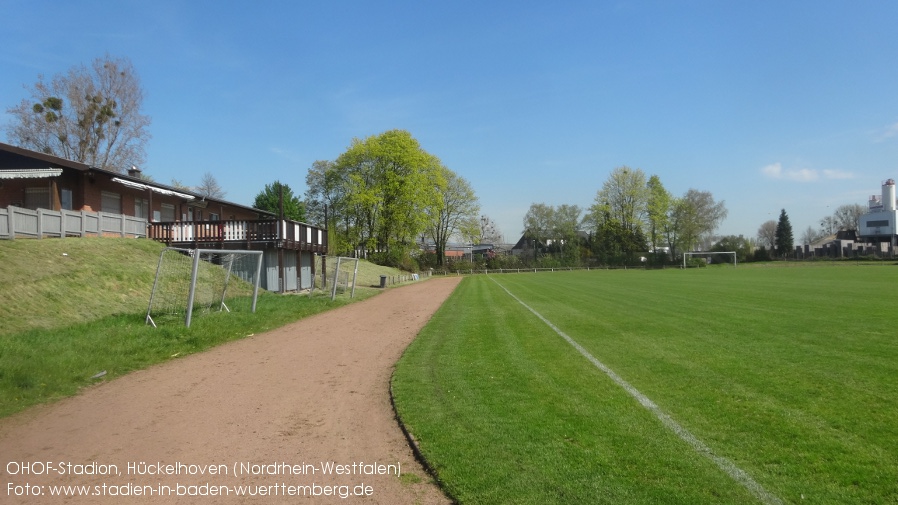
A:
(111, 202)
(213, 216)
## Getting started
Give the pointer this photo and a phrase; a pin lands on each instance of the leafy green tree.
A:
(325, 202)
(566, 226)
(90, 115)
(693, 217)
(270, 199)
(388, 181)
(784, 241)
(455, 213)
(761, 254)
(657, 210)
(623, 197)
(739, 244)
(614, 244)
(539, 222)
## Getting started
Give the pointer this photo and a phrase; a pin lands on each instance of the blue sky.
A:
(766, 104)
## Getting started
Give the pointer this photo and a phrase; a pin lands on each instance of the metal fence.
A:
(16, 222)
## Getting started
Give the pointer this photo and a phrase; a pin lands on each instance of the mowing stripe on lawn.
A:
(700, 447)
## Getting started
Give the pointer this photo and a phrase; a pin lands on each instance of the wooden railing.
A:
(282, 233)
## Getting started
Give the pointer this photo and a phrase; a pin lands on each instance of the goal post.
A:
(209, 279)
(341, 275)
(706, 253)
(335, 274)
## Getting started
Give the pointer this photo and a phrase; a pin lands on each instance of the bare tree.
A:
(767, 235)
(828, 225)
(177, 184)
(90, 115)
(489, 231)
(810, 236)
(209, 187)
(848, 217)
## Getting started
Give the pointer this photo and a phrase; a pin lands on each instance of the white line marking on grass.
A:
(724, 464)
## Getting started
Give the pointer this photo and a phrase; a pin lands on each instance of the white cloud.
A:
(886, 133)
(837, 174)
(775, 171)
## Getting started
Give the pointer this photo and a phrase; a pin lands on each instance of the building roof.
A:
(16, 162)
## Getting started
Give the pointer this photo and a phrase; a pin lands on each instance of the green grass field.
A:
(791, 374)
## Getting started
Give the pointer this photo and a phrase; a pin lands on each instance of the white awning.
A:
(137, 185)
(30, 173)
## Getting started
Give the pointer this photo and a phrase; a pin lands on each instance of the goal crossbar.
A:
(705, 253)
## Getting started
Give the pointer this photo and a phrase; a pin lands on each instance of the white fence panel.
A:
(16, 222)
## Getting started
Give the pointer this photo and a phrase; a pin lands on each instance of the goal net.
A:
(708, 254)
(203, 280)
(336, 274)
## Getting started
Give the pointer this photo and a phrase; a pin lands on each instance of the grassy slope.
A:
(52, 283)
(790, 373)
(71, 308)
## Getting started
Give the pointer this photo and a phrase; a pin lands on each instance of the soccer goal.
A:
(708, 253)
(337, 274)
(204, 279)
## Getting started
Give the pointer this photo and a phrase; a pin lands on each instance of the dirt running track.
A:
(313, 392)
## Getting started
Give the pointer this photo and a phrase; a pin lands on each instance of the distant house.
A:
(175, 216)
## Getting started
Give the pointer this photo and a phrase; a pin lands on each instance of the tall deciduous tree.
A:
(657, 210)
(455, 213)
(90, 115)
(784, 240)
(614, 244)
(566, 225)
(325, 201)
(624, 196)
(270, 199)
(539, 222)
(693, 217)
(388, 182)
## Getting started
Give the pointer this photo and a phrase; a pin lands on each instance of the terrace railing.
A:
(283, 233)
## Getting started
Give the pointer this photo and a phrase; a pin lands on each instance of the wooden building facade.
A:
(176, 216)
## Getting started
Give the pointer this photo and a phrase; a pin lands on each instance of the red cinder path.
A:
(313, 392)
